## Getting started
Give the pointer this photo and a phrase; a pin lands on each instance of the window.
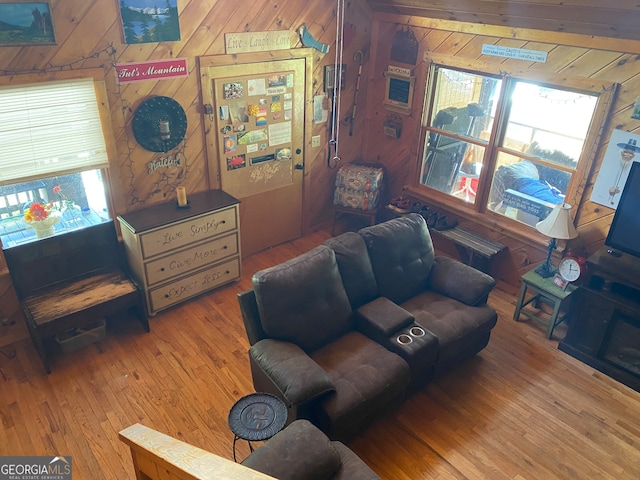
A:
(502, 145)
(51, 177)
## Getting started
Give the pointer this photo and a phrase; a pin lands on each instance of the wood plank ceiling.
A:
(613, 18)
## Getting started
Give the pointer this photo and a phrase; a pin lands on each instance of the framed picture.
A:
(148, 21)
(560, 282)
(26, 24)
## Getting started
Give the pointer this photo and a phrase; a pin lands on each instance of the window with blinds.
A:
(53, 153)
(49, 128)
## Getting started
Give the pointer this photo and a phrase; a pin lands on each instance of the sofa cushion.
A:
(299, 452)
(401, 254)
(355, 268)
(369, 380)
(456, 324)
(303, 301)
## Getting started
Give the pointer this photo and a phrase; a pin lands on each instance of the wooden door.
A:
(256, 140)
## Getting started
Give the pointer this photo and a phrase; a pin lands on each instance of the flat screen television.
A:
(624, 233)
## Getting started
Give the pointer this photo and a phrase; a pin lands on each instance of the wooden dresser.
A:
(178, 253)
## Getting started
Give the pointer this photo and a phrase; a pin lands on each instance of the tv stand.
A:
(605, 330)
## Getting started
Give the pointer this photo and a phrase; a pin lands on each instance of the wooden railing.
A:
(157, 456)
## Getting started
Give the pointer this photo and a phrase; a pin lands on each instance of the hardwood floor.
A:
(521, 409)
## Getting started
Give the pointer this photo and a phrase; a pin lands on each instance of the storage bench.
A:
(474, 249)
(70, 280)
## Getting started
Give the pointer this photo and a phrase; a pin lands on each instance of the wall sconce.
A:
(159, 124)
(165, 132)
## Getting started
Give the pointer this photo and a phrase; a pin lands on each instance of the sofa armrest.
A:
(299, 452)
(381, 318)
(295, 374)
(461, 282)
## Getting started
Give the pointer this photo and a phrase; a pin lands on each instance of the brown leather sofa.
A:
(302, 452)
(343, 332)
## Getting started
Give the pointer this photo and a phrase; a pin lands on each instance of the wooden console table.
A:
(178, 253)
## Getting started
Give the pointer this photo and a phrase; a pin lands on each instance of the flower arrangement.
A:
(42, 217)
(37, 212)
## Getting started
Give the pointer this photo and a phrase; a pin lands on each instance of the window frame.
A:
(97, 75)
(474, 211)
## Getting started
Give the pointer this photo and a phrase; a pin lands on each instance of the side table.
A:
(255, 417)
(544, 290)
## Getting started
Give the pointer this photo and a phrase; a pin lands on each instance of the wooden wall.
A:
(603, 59)
(87, 30)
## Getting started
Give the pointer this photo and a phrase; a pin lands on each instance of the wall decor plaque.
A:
(159, 124)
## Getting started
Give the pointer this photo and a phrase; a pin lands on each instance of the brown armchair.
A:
(302, 452)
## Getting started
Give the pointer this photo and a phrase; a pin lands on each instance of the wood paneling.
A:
(86, 28)
(583, 58)
(613, 19)
(520, 409)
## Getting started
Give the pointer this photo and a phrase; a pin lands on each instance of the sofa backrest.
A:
(303, 300)
(401, 254)
(355, 268)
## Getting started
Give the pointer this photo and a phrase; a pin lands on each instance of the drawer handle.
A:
(162, 269)
(166, 295)
(227, 272)
(225, 247)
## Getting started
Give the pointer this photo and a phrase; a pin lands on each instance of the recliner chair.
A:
(302, 452)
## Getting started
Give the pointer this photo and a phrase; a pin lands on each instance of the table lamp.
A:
(557, 225)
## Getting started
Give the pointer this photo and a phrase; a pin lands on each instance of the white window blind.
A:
(49, 129)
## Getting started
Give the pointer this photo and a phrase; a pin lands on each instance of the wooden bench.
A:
(474, 249)
(68, 280)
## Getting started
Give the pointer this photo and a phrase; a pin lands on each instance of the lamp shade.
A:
(559, 223)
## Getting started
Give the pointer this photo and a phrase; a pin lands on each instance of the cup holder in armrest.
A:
(404, 339)
(417, 331)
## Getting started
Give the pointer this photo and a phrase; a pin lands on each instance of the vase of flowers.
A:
(42, 218)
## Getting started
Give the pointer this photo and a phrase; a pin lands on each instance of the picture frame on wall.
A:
(149, 21)
(26, 24)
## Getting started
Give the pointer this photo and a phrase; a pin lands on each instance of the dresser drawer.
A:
(188, 232)
(180, 290)
(191, 259)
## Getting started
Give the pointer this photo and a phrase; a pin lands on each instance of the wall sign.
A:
(517, 53)
(151, 70)
(257, 41)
